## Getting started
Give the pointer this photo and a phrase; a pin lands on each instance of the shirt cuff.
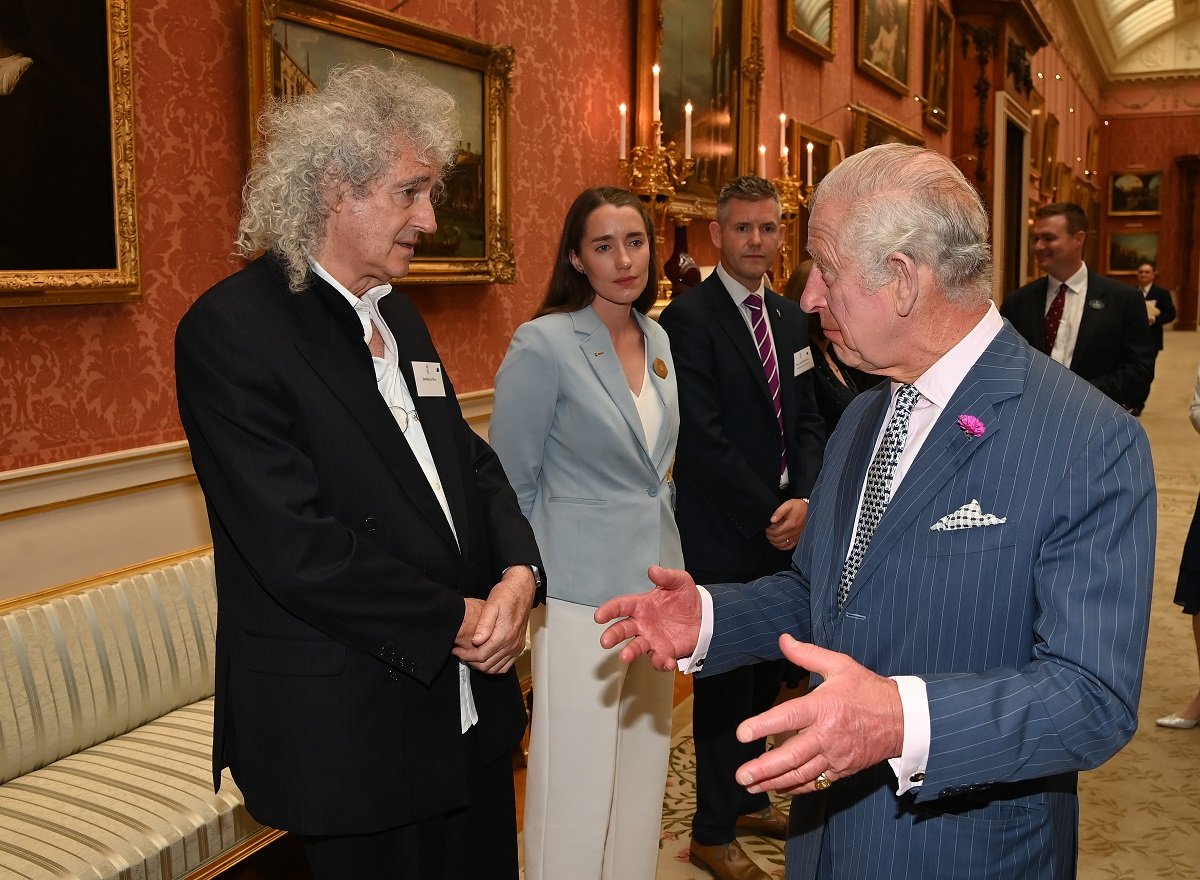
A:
(914, 755)
(695, 663)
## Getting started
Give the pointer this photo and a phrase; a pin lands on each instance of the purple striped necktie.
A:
(766, 354)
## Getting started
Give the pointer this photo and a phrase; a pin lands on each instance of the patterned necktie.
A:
(766, 354)
(878, 491)
(1054, 316)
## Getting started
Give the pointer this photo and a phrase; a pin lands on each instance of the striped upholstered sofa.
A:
(106, 732)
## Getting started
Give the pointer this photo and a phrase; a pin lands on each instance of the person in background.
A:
(750, 444)
(834, 383)
(374, 571)
(1092, 325)
(1160, 310)
(585, 421)
(1187, 589)
(973, 586)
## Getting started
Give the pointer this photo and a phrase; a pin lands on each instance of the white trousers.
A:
(597, 754)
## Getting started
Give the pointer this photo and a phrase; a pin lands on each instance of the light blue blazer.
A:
(1029, 633)
(567, 431)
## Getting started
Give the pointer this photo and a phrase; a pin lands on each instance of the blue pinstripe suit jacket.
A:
(1030, 635)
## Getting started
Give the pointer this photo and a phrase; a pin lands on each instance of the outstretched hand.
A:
(851, 721)
(663, 624)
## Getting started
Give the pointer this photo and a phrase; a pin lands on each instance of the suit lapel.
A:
(784, 346)
(596, 344)
(997, 376)
(1090, 319)
(331, 342)
(729, 318)
(667, 390)
(1035, 314)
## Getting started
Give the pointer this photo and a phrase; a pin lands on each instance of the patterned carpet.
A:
(1137, 810)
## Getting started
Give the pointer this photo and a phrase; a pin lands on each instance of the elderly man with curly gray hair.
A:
(374, 571)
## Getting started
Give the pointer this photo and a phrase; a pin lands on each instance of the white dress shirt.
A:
(396, 394)
(936, 386)
(1068, 327)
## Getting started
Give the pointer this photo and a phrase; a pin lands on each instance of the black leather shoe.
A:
(726, 861)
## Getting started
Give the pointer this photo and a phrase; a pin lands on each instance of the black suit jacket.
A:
(340, 583)
(1166, 312)
(1113, 350)
(727, 459)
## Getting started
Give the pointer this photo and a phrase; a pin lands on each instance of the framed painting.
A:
(812, 24)
(872, 129)
(1128, 249)
(883, 31)
(1037, 134)
(824, 156)
(710, 54)
(68, 231)
(1049, 155)
(939, 67)
(294, 44)
(1133, 193)
(1064, 183)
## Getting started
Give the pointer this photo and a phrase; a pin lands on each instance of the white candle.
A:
(654, 100)
(621, 135)
(687, 130)
(783, 162)
(783, 137)
(762, 160)
(808, 175)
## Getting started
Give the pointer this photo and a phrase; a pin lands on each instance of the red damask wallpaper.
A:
(83, 380)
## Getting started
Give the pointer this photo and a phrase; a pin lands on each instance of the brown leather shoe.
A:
(726, 861)
(769, 822)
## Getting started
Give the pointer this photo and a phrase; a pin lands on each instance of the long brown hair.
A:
(569, 290)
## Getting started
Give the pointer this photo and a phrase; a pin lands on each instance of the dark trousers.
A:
(479, 840)
(719, 704)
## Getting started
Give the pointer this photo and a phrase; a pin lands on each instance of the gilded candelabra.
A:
(654, 172)
(793, 195)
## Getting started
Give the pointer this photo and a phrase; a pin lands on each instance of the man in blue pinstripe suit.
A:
(973, 587)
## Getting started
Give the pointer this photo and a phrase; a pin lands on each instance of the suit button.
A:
(652, 491)
(370, 523)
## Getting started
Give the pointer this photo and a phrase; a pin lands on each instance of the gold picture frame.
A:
(1129, 248)
(83, 247)
(293, 44)
(1135, 193)
(939, 67)
(813, 25)
(872, 129)
(1049, 156)
(884, 28)
(723, 85)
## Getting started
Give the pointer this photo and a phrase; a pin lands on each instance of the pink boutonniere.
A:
(971, 426)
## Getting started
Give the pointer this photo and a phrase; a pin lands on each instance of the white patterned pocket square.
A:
(967, 517)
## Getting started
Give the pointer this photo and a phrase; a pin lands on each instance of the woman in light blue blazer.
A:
(585, 421)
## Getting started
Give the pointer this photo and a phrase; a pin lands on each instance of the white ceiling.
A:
(1141, 39)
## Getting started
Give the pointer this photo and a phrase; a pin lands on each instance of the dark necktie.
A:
(878, 491)
(1054, 316)
(766, 354)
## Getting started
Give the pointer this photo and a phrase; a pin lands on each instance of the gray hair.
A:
(343, 136)
(911, 200)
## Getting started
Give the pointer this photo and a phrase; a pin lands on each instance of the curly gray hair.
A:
(343, 136)
(912, 200)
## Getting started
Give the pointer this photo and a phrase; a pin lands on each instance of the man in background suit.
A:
(974, 581)
(1160, 310)
(750, 442)
(1094, 326)
(374, 572)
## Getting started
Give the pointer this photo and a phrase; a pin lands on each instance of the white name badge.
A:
(428, 376)
(802, 361)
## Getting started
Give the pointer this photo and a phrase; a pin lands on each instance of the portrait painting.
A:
(939, 55)
(68, 232)
(1128, 249)
(872, 129)
(883, 33)
(813, 25)
(296, 49)
(700, 46)
(1131, 193)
